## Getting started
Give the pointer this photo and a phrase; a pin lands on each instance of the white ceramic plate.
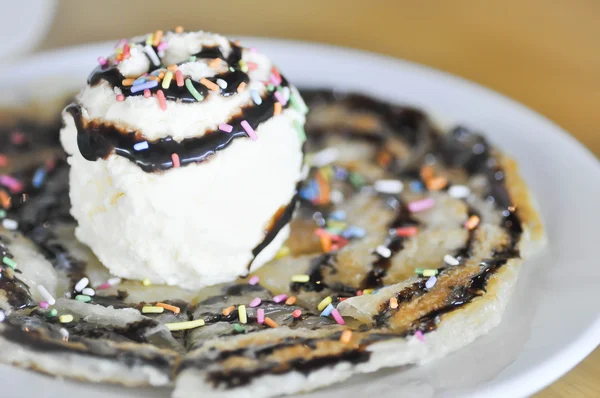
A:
(553, 320)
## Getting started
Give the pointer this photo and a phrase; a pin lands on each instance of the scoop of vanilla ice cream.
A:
(197, 224)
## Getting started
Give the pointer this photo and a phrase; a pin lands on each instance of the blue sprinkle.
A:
(143, 86)
(255, 97)
(417, 186)
(338, 215)
(353, 232)
(327, 310)
(139, 80)
(341, 173)
(38, 177)
(140, 146)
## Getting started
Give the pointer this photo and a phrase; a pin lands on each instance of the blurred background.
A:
(545, 54)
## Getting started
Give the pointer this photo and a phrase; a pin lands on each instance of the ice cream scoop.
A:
(185, 151)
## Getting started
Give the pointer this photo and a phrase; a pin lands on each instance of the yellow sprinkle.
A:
(167, 80)
(301, 278)
(146, 282)
(242, 314)
(368, 291)
(430, 272)
(283, 252)
(346, 336)
(149, 309)
(65, 318)
(149, 39)
(324, 303)
(185, 325)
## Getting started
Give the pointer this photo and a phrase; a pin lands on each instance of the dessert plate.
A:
(552, 321)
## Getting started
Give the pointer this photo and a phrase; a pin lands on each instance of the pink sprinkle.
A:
(260, 316)
(419, 335)
(320, 232)
(13, 184)
(280, 98)
(296, 314)
(126, 50)
(175, 159)
(275, 80)
(280, 297)
(44, 304)
(17, 138)
(228, 128)
(3, 161)
(254, 280)
(162, 101)
(162, 46)
(359, 293)
(102, 61)
(421, 205)
(255, 303)
(251, 133)
(253, 49)
(120, 43)
(179, 78)
(103, 286)
(338, 317)
(120, 97)
(147, 93)
(252, 65)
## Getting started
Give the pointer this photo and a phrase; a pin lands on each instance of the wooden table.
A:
(542, 53)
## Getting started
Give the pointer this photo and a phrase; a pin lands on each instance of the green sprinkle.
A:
(300, 130)
(336, 224)
(2, 213)
(356, 180)
(83, 297)
(231, 69)
(419, 271)
(297, 103)
(10, 262)
(192, 58)
(52, 313)
(239, 328)
(193, 91)
(270, 87)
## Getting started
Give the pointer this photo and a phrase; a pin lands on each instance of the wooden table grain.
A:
(542, 53)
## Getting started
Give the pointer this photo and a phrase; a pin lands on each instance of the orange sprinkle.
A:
(162, 102)
(346, 336)
(5, 200)
(291, 300)
(173, 68)
(384, 158)
(179, 29)
(174, 309)
(241, 87)
(276, 108)
(215, 63)
(472, 222)
(157, 37)
(210, 85)
(179, 78)
(426, 172)
(161, 74)
(119, 57)
(157, 78)
(393, 303)
(271, 323)
(325, 242)
(228, 310)
(436, 183)
(127, 82)
(323, 188)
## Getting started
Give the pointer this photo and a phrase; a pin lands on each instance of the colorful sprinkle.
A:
(10, 224)
(102, 61)
(9, 262)
(46, 295)
(139, 80)
(297, 103)
(271, 323)
(2, 212)
(346, 336)
(337, 317)
(260, 316)
(280, 99)
(143, 86)
(65, 318)
(179, 29)
(354, 232)
(193, 91)
(253, 280)
(175, 160)
(429, 272)
(393, 303)
(150, 309)
(472, 222)
(146, 282)
(383, 251)
(114, 281)
(64, 333)
(83, 298)
(356, 180)
(291, 300)
(82, 284)
(277, 108)
(297, 313)
(406, 231)
(12, 183)
(162, 101)
(431, 282)
(228, 310)
(421, 205)
(459, 191)
(228, 128)
(249, 130)
(179, 78)
(389, 186)
(301, 278)
(283, 251)
(38, 177)
(52, 313)
(128, 82)
(3, 161)
(215, 63)
(368, 291)
(451, 260)
(120, 98)
(185, 325)
(103, 286)
(152, 55)
(210, 85)
(157, 37)
(241, 87)
(44, 304)
(324, 303)
(256, 97)
(280, 298)
(88, 291)
(300, 130)
(147, 93)
(419, 335)
(141, 146)
(167, 80)
(172, 308)
(238, 328)
(326, 243)
(436, 183)
(255, 302)
(242, 315)
(327, 310)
